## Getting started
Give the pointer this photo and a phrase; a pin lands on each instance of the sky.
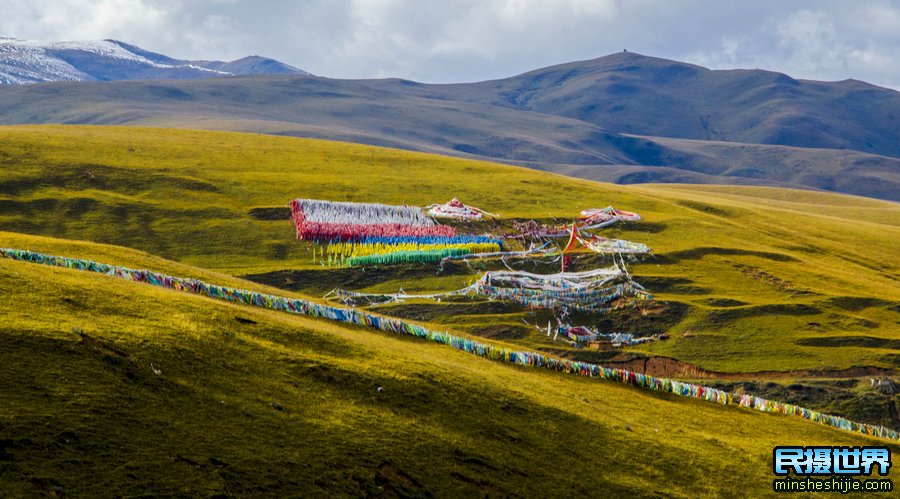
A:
(442, 41)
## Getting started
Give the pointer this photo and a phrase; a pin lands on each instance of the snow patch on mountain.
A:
(28, 61)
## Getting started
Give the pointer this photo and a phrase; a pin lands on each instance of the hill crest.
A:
(624, 118)
(27, 61)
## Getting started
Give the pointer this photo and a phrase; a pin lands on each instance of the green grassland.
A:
(799, 283)
(795, 267)
(252, 402)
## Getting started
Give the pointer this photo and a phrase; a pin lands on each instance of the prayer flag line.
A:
(494, 352)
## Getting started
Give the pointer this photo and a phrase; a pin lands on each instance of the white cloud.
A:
(808, 42)
(83, 20)
(829, 42)
(466, 40)
(217, 34)
(879, 18)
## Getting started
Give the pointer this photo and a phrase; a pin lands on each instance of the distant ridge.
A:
(624, 118)
(24, 62)
(626, 92)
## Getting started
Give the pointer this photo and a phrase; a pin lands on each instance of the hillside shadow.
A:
(674, 285)
(641, 322)
(720, 317)
(850, 341)
(501, 331)
(858, 303)
(700, 252)
(270, 213)
(493, 415)
(446, 312)
(722, 302)
(705, 208)
(314, 281)
(85, 176)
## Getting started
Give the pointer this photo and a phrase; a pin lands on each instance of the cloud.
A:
(829, 42)
(80, 20)
(467, 40)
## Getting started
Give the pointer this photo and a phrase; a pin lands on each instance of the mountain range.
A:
(625, 117)
(25, 61)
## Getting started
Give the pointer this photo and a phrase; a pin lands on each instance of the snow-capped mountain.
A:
(25, 61)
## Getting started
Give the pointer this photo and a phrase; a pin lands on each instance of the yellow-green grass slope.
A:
(769, 279)
(114, 388)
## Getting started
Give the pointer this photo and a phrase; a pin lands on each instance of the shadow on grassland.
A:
(698, 253)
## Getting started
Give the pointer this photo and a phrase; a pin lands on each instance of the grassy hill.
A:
(632, 93)
(765, 279)
(792, 286)
(718, 162)
(623, 118)
(248, 401)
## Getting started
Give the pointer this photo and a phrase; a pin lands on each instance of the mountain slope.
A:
(319, 107)
(23, 61)
(678, 123)
(718, 162)
(159, 392)
(636, 94)
(783, 263)
(386, 114)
